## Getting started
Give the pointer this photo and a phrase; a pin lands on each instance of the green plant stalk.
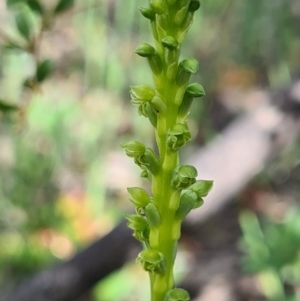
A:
(175, 191)
(163, 239)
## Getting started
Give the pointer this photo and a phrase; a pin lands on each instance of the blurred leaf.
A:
(35, 6)
(272, 285)
(12, 46)
(6, 108)
(44, 70)
(10, 3)
(63, 5)
(23, 25)
(29, 83)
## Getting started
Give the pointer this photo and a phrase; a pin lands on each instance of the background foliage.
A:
(62, 176)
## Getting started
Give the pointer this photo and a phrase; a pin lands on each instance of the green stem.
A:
(163, 194)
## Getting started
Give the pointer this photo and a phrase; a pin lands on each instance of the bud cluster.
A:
(175, 189)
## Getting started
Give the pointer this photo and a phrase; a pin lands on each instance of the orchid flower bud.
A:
(170, 42)
(138, 196)
(202, 188)
(172, 53)
(139, 225)
(187, 203)
(184, 177)
(194, 6)
(145, 50)
(178, 136)
(192, 91)
(134, 149)
(186, 68)
(136, 222)
(193, 198)
(152, 261)
(177, 294)
(154, 59)
(148, 13)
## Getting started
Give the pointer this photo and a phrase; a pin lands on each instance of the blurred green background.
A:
(63, 176)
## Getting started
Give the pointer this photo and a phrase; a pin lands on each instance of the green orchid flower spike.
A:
(175, 190)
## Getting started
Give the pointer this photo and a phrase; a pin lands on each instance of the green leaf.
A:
(44, 70)
(63, 5)
(23, 25)
(35, 6)
(10, 3)
(12, 46)
(7, 108)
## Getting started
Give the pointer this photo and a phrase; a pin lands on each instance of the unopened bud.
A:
(170, 42)
(148, 13)
(202, 188)
(185, 69)
(186, 204)
(134, 149)
(192, 91)
(194, 6)
(145, 50)
(177, 294)
(138, 196)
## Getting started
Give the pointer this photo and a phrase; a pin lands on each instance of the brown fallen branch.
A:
(71, 279)
(240, 152)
